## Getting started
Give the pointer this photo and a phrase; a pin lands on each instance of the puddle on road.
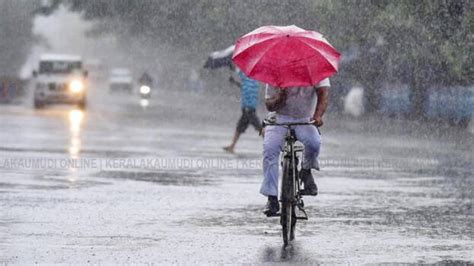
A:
(410, 214)
(56, 184)
(53, 180)
(248, 218)
(294, 253)
(36, 150)
(106, 153)
(177, 178)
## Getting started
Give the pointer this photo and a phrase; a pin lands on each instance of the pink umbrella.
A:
(286, 56)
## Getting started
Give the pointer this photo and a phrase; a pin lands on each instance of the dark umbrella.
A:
(222, 58)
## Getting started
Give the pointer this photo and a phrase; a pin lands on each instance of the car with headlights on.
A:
(60, 79)
(120, 81)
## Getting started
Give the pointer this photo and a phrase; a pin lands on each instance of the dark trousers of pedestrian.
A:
(249, 116)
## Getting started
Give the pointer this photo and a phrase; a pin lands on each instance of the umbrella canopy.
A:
(218, 59)
(286, 56)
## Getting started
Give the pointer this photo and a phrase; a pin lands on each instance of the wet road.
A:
(121, 183)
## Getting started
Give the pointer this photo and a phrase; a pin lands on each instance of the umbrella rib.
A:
(310, 74)
(268, 38)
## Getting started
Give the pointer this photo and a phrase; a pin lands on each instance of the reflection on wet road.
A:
(75, 123)
(75, 120)
(126, 182)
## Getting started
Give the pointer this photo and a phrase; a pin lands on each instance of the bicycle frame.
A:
(290, 196)
(289, 152)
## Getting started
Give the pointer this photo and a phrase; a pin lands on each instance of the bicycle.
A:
(290, 196)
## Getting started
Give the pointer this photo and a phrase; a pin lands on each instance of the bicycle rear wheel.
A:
(287, 219)
(293, 222)
(286, 223)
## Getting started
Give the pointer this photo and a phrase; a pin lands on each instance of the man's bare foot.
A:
(229, 149)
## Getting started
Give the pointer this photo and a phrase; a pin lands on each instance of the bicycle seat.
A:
(299, 147)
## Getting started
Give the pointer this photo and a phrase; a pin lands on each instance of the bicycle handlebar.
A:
(266, 122)
(270, 123)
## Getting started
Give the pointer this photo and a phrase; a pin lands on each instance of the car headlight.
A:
(145, 89)
(76, 86)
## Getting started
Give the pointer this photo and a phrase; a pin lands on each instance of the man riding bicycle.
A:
(293, 105)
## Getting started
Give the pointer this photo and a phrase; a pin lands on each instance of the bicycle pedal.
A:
(301, 217)
(273, 214)
(300, 203)
(301, 209)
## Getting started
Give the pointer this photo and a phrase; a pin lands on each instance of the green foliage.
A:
(405, 40)
(435, 35)
(16, 20)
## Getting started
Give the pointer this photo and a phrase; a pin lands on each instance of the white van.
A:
(60, 79)
(120, 80)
